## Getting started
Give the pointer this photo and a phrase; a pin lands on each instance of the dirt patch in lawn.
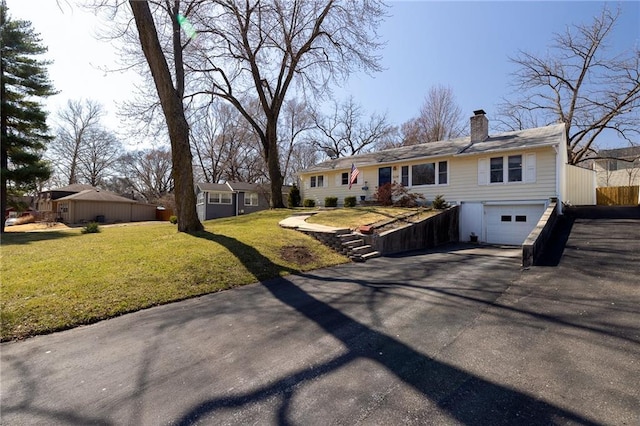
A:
(36, 226)
(299, 255)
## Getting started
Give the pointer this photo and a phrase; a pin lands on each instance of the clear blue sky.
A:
(464, 45)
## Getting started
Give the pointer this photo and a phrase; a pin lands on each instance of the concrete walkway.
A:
(299, 222)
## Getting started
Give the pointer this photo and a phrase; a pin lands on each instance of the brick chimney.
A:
(479, 126)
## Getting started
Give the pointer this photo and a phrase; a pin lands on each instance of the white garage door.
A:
(511, 224)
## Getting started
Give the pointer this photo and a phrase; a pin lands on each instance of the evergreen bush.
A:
(331, 201)
(350, 201)
(91, 228)
(294, 196)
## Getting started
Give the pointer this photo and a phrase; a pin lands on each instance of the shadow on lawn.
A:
(259, 265)
(467, 398)
(19, 238)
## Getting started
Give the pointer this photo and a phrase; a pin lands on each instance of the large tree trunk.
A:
(4, 154)
(173, 109)
(273, 165)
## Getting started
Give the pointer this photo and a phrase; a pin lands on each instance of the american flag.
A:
(354, 175)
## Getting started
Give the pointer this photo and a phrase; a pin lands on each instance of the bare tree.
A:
(297, 122)
(147, 172)
(346, 131)
(171, 96)
(259, 49)
(209, 134)
(225, 146)
(440, 118)
(78, 125)
(303, 156)
(578, 83)
(99, 156)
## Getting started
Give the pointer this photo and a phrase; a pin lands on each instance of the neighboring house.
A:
(618, 167)
(44, 201)
(101, 206)
(80, 203)
(216, 200)
(503, 183)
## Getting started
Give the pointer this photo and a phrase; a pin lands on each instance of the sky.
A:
(464, 45)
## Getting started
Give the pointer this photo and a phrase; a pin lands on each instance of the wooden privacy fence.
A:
(618, 196)
(164, 214)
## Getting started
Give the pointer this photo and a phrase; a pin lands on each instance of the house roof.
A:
(97, 195)
(76, 187)
(632, 151)
(244, 186)
(517, 140)
(236, 187)
(217, 187)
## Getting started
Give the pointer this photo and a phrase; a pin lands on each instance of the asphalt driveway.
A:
(456, 336)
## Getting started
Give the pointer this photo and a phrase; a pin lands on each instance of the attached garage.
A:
(511, 224)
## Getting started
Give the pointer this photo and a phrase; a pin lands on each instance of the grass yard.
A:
(356, 216)
(60, 279)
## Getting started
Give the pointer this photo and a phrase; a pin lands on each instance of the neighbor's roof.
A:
(76, 187)
(521, 139)
(236, 187)
(244, 186)
(218, 187)
(631, 151)
(97, 195)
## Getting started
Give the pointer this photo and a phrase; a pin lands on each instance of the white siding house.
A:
(503, 182)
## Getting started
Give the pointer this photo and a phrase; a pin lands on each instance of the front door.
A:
(384, 176)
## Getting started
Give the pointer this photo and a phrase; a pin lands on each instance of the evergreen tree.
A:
(24, 131)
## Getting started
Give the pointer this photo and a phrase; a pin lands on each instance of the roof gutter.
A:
(513, 149)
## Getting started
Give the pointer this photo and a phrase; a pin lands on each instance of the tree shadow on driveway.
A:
(457, 394)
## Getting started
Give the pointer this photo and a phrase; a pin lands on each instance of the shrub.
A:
(294, 196)
(308, 202)
(91, 228)
(331, 201)
(384, 195)
(404, 198)
(350, 201)
(173, 219)
(397, 195)
(439, 203)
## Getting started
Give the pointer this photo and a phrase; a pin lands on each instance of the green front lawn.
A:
(59, 279)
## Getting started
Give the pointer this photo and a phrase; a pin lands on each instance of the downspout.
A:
(559, 179)
(237, 199)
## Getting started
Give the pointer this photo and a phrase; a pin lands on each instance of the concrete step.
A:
(349, 237)
(342, 231)
(362, 249)
(370, 255)
(364, 257)
(353, 243)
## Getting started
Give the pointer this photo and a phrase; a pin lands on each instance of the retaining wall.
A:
(430, 232)
(535, 242)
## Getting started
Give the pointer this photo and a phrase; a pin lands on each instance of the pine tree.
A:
(24, 130)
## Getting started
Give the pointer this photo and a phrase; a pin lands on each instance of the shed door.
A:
(511, 224)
